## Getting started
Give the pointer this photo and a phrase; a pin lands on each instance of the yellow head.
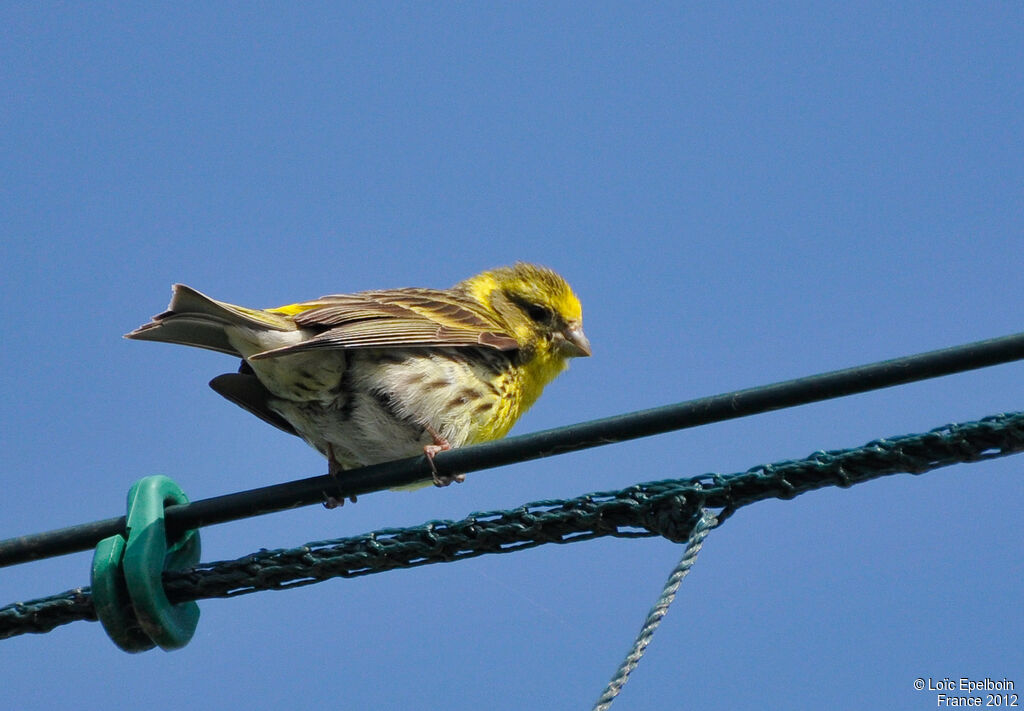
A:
(539, 308)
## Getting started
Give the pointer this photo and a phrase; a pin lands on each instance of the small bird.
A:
(380, 375)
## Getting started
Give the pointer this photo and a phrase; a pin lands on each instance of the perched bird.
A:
(380, 375)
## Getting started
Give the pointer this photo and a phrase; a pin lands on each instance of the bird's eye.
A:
(538, 313)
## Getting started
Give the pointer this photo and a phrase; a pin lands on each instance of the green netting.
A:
(670, 508)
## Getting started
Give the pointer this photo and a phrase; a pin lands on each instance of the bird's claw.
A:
(440, 445)
(331, 502)
(333, 469)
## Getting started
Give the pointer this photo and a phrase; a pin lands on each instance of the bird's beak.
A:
(575, 344)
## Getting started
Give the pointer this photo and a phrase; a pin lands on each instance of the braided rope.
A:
(663, 508)
(704, 524)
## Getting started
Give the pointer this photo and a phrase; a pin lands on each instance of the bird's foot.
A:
(440, 445)
(333, 469)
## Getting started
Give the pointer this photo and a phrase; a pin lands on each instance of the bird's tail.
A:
(194, 319)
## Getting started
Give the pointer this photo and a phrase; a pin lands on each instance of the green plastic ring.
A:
(147, 555)
(110, 598)
(127, 581)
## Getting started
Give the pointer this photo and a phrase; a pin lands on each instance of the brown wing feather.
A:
(399, 317)
(246, 391)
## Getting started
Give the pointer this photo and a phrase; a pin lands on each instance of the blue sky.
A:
(739, 194)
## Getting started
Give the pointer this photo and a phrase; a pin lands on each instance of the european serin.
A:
(380, 375)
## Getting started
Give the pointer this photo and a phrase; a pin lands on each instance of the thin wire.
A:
(704, 525)
(692, 413)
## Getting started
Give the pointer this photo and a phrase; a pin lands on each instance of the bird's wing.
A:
(245, 390)
(398, 317)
